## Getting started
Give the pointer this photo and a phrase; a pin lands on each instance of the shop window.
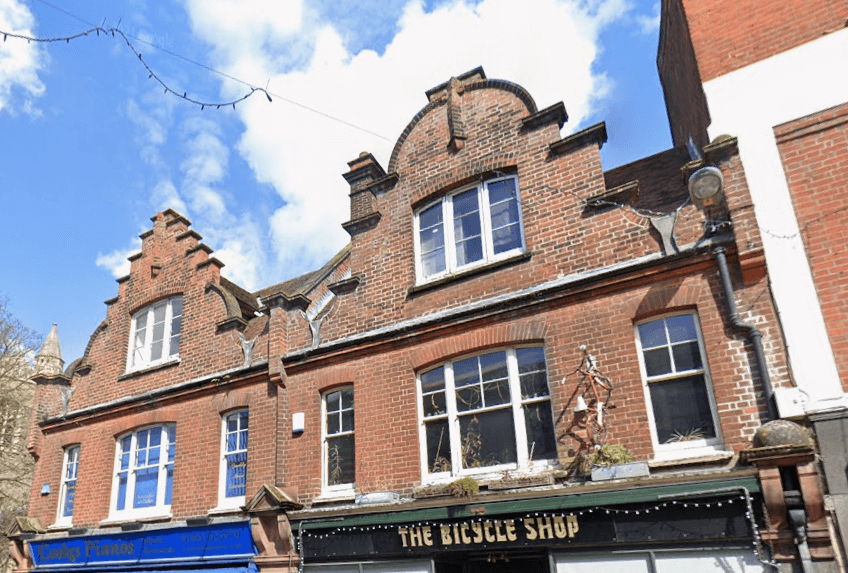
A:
(707, 560)
(470, 228)
(677, 385)
(489, 412)
(144, 473)
(233, 476)
(68, 486)
(339, 441)
(155, 334)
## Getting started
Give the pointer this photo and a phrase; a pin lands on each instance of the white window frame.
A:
(70, 473)
(341, 489)
(138, 353)
(689, 448)
(160, 508)
(231, 502)
(524, 463)
(489, 256)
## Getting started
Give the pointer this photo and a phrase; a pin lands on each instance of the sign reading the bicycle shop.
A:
(489, 531)
(586, 527)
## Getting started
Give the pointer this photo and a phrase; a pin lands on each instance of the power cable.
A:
(153, 75)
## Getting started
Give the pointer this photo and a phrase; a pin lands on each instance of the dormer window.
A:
(155, 334)
(469, 228)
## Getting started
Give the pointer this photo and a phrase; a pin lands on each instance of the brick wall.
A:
(384, 375)
(814, 151)
(685, 102)
(197, 459)
(730, 34)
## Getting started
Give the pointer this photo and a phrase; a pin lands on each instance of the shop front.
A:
(711, 530)
(214, 548)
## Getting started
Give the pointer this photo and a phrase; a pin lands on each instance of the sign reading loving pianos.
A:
(598, 527)
(209, 544)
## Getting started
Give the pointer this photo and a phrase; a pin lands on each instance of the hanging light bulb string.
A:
(684, 504)
(115, 31)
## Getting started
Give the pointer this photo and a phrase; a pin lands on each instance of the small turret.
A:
(49, 358)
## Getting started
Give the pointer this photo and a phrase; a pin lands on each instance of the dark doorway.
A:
(497, 562)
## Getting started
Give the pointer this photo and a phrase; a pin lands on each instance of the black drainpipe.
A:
(753, 332)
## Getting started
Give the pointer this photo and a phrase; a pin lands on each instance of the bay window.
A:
(486, 412)
(469, 228)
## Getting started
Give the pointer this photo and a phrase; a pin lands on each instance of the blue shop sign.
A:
(183, 544)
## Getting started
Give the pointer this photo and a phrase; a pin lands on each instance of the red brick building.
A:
(457, 390)
(764, 72)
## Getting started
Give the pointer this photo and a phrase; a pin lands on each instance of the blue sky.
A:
(91, 148)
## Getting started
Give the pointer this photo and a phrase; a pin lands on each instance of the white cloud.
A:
(116, 262)
(165, 196)
(547, 46)
(649, 24)
(20, 61)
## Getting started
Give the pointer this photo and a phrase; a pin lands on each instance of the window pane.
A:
(347, 421)
(70, 491)
(467, 228)
(433, 392)
(334, 402)
(347, 398)
(430, 217)
(504, 213)
(532, 373)
(493, 365)
(496, 393)
(433, 380)
(652, 334)
(468, 398)
(466, 372)
(506, 238)
(539, 422)
(682, 409)
(122, 490)
(146, 482)
(469, 251)
(341, 460)
(465, 203)
(438, 446)
(156, 340)
(686, 356)
(169, 484)
(503, 205)
(503, 190)
(434, 404)
(334, 423)
(681, 328)
(433, 263)
(487, 439)
(432, 240)
(236, 474)
(657, 362)
(171, 432)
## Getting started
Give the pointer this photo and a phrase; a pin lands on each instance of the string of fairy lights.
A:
(115, 32)
(182, 94)
(304, 534)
